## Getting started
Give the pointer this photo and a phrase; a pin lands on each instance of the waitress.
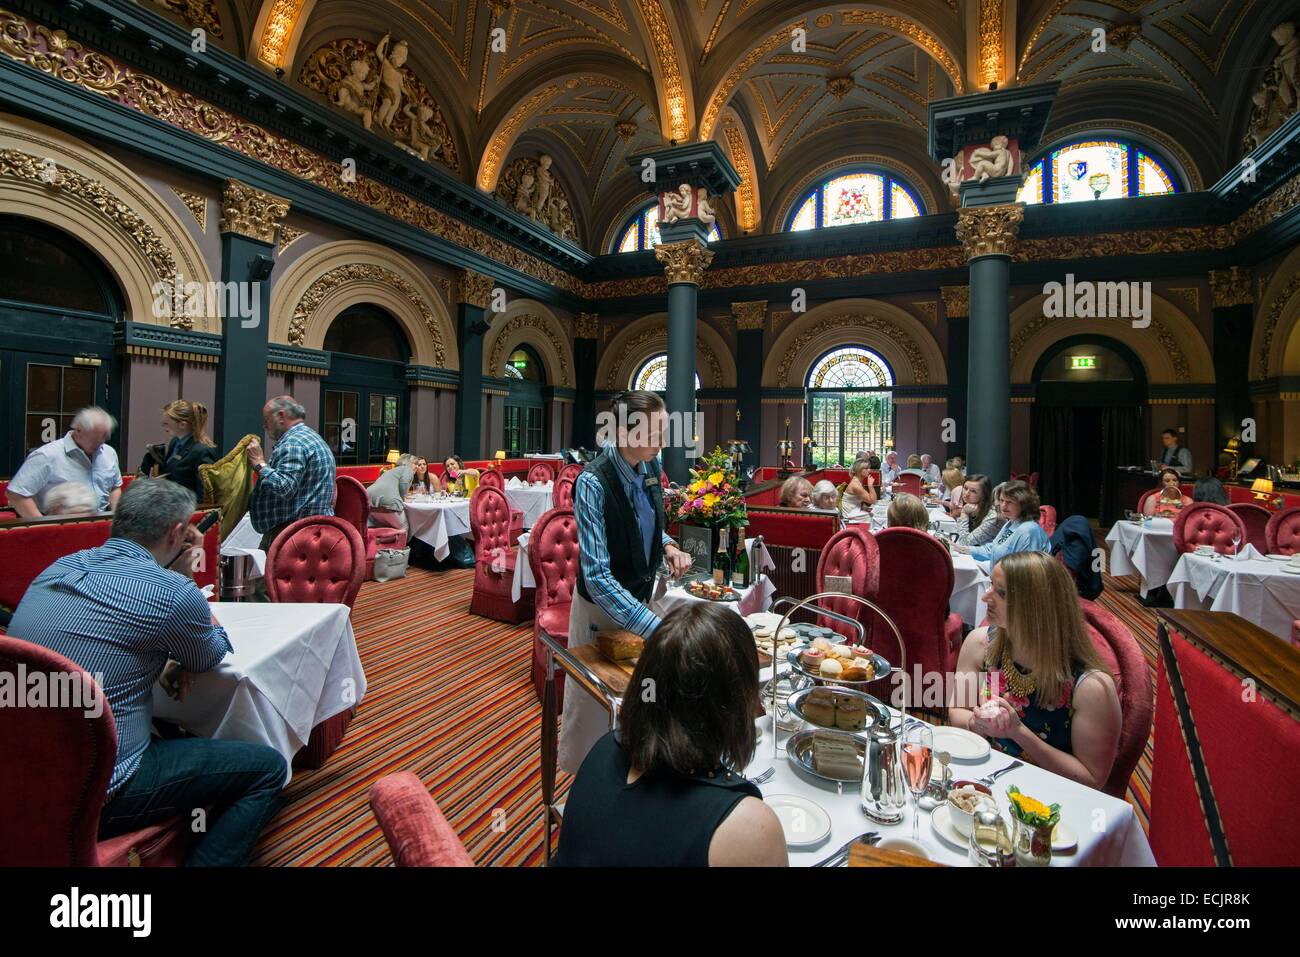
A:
(619, 507)
(188, 446)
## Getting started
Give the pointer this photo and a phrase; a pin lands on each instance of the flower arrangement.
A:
(712, 498)
(1031, 812)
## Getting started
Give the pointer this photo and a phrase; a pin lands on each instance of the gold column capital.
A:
(1230, 287)
(474, 288)
(750, 315)
(989, 230)
(251, 212)
(956, 301)
(684, 261)
(586, 325)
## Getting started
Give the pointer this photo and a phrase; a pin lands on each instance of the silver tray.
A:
(876, 713)
(883, 669)
(799, 750)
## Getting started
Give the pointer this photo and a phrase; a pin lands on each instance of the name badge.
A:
(651, 482)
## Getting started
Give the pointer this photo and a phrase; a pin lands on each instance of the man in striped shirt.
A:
(298, 479)
(120, 611)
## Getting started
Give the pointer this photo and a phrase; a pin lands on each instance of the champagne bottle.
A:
(740, 567)
(722, 560)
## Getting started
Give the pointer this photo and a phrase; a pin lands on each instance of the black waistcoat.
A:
(627, 561)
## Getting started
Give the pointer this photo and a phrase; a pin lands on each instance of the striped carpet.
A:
(449, 697)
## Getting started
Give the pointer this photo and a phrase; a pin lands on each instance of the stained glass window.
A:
(642, 232)
(653, 374)
(1095, 169)
(851, 407)
(849, 198)
(850, 368)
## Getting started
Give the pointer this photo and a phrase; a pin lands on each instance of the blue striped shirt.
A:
(593, 548)
(115, 611)
(297, 480)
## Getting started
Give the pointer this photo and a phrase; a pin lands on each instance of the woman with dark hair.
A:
(667, 789)
(618, 506)
(1018, 505)
(1171, 500)
(975, 512)
(423, 481)
(1209, 489)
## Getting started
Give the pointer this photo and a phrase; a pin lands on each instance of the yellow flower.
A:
(696, 486)
(1030, 806)
(710, 500)
(716, 478)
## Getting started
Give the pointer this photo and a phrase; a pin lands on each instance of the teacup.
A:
(901, 845)
(1205, 550)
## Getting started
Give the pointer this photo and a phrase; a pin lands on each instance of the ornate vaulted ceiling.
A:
(789, 88)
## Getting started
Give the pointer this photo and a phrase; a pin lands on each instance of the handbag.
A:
(390, 563)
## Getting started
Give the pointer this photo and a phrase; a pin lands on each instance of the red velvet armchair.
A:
(495, 479)
(562, 495)
(1203, 523)
(320, 558)
(494, 560)
(352, 505)
(907, 482)
(417, 833)
(1122, 654)
(855, 556)
(553, 558)
(57, 764)
(1282, 534)
(916, 578)
(1255, 520)
(540, 472)
(571, 471)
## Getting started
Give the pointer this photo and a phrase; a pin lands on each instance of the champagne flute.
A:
(1236, 542)
(918, 755)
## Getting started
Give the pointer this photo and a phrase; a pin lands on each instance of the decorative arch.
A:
(1172, 350)
(324, 282)
(647, 337)
(95, 199)
(278, 31)
(907, 174)
(899, 337)
(1274, 344)
(1139, 134)
(528, 322)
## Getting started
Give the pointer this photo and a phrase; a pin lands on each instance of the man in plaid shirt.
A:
(298, 480)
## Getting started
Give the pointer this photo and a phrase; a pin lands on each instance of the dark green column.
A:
(586, 335)
(750, 320)
(248, 224)
(1233, 322)
(469, 401)
(684, 263)
(956, 307)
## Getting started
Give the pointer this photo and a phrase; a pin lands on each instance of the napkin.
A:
(514, 482)
(765, 562)
(1248, 551)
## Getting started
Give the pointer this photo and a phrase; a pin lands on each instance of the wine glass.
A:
(918, 755)
(1236, 542)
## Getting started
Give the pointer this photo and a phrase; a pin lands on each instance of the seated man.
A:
(120, 613)
(83, 455)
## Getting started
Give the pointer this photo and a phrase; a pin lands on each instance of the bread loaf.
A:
(619, 645)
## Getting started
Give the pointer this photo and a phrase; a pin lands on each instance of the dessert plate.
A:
(1063, 839)
(962, 745)
(799, 749)
(804, 822)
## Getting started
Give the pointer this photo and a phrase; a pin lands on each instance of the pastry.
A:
(822, 645)
(850, 713)
(812, 660)
(763, 632)
(854, 673)
(787, 634)
(619, 645)
(819, 707)
(841, 651)
(836, 756)
(831, 668)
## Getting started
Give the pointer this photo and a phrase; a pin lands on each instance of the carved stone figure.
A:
(524, 194)
(992, 160)
(529, 187)
(1287, 63)
(542, 192)
(425, 138)
(703, 209)
(1279, 91)
(390, 79)
(352, 92)
(677, 204)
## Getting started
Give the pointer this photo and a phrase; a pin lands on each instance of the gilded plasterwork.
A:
(531, 188)
(280, 23)
(619, 368)
(684, 261)
(475, 288)
(197, 204)
(891, 330)
(196, 13)
(989, 230)
(508, 334)
(288, 236)
(251, 212)
(665, 52)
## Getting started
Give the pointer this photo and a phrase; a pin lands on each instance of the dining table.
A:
(292, 667)
(246, 540)
(1144, 548)
(940, 520)
(970, 585)
(533, 500)
(435, 519)
(1260, 589)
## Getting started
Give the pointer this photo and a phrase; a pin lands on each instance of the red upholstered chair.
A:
(1033, 479)
(492, 478)
(553, 558)
(320, 558)
(856, 557)
(352, 505)
(1255, 519)
(1203, 523)
(495, 478)
(1142, 500)
(57, 764)
(1122, 654)
(540, 472)
(417, 833)
(907, 483)
(562, 496)
(494, 560)
(916, 578)
(1047, 518)
(1282, 534)
(571, 471)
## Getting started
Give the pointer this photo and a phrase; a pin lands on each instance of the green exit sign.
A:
(1083, 362)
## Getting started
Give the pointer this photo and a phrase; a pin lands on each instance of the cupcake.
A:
(831, 668)
(812, 660)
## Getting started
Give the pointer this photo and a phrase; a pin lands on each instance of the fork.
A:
(840, 856)
(988, 779)
(762, 778)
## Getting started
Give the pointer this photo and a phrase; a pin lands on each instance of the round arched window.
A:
(653, 375)
(524, 364)
(1095, 169)
(854, 197)
(850, 405)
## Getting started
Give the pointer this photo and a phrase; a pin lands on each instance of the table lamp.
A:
(1233, 451)
(499, 457)
(1262, 488)
(393, 456)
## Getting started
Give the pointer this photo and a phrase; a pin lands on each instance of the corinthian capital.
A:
(1230, 287)
(989, 230)
(251, 212)
(684, 261)
(750, 315)
(586, 326)
(475, 288)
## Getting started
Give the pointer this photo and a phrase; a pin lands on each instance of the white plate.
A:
(1278, 558)
(1063, 839)
(961, 744)
(804, 823)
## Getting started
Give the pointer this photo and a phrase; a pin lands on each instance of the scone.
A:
(850, 713)
(819, 707)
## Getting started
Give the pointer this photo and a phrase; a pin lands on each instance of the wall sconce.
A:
(499, 458)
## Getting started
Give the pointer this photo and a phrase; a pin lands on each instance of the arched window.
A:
(855, 197)
(850, 405)
(653, 375)
(43, 266)
(1095, 169)
(642, 232)
(524, 364)
(366, 330)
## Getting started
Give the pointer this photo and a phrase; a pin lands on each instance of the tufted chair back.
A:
(1282, 534)
(489, 520)
(540, 472)
(1033, 480)
(855, 556)
(1204, 523)
(571, 471)
(1047, 518)
(351, 503)
(908, 483)
(1255, 519)
(562, 496)
(553, 555)
(321, 558)
(492, 478)
(1122, 654)
(1142, 500)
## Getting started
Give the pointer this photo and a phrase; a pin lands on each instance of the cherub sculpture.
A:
(352, 92)
(390, 79)
(524, 195)
(677, 204)
(703, 209)
(544, 179)
(991, 160)
(425, 139)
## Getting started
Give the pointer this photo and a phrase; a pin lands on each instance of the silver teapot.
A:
(884, 792)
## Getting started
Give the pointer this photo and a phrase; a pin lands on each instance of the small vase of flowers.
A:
(1034, 823)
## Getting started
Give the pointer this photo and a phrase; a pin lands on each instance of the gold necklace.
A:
(1019, 684)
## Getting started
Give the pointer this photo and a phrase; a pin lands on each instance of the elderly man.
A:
(298, 479)
(933, 473)
(122, 615)
(82, 456)
(890, 470)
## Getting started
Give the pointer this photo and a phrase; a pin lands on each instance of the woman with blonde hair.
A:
(859, 493)
(188, 446)
(796, 492)
(951, 479)
(908, 511)
(1031, 680)
(914, 461)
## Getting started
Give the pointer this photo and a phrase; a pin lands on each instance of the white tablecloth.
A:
(293, 666)
(1108, 830)
(246, 540)
(1258, 589)
(435, 522)
(1146, 550)
(523, 573)
(969, 586)
(532, 500)
(880, 517)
